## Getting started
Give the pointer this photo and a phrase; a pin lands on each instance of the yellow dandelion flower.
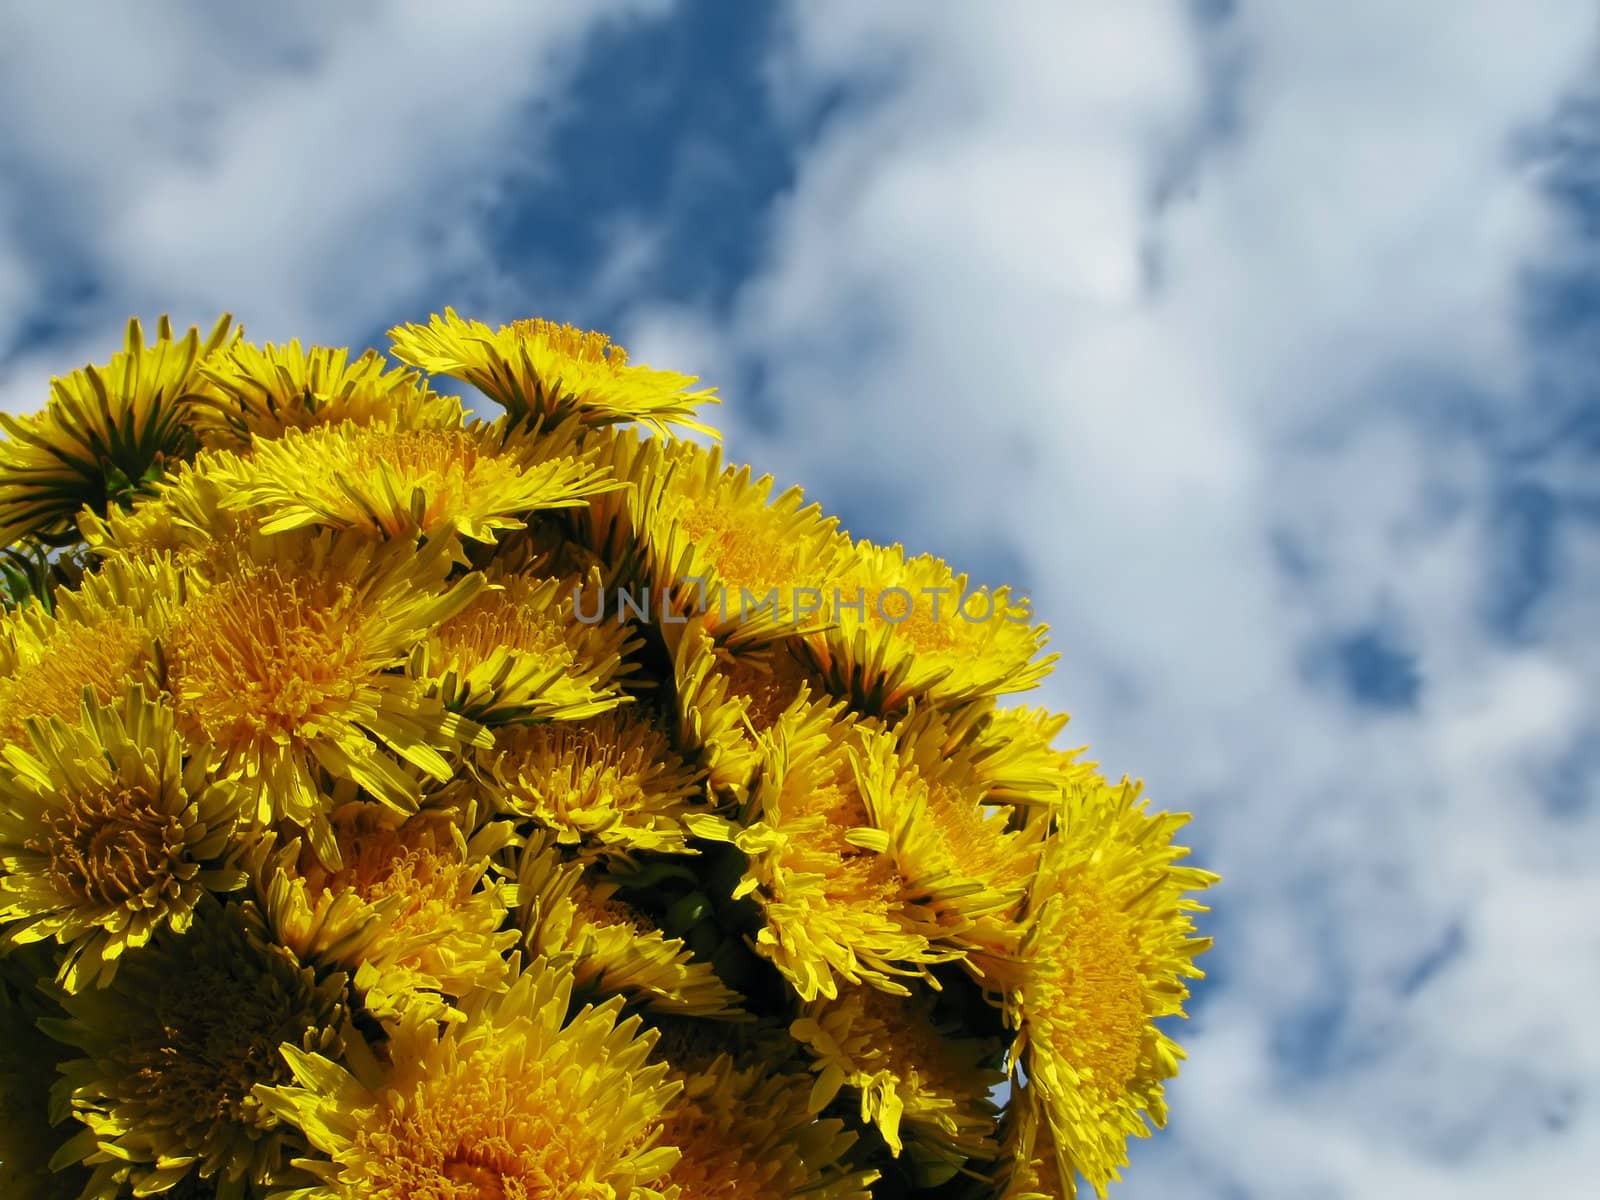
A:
(1105, 956)
(905, 627)
(107, 433)
(397, 482)
(325, 707)
(265, 390)
(99, 638)
(515, 1102)
(107, 835)
(914, 1075)
(744, 1132)
(1014, 751)
(965, 798)
(539, 368)
(580, 923)
(756, 567)
(521, 652)
(928, 796)
(836, 905)
(409, 913)
(612, 783)
(173, 1050)
(283, 662)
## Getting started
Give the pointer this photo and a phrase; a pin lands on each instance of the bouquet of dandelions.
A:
(399, 804)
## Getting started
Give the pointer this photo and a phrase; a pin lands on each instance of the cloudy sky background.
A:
(1259, 342)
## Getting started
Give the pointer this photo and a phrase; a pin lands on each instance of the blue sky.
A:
(1259, 342)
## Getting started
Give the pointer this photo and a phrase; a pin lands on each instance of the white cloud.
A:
(313, 170)
(1141, 298)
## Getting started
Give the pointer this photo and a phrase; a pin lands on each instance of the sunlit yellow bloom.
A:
(283, 663)
(326, 707)
(99, 637)
(261, 391)
(913, 1075)
(519, 652)
(836, 905)
(926, 793)
(613, 782)
(757, 567)
(1015, 753)
(966, 798)
(579, 922)
(107, 433)
(106, 835)
(173, 1049)
(1107, 950)
(515, 1103)
(410, 912)
(745, 1132)
(398, 482)
(538, 368)
(906, 627)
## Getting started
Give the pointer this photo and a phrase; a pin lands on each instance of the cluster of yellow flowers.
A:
(408, 805)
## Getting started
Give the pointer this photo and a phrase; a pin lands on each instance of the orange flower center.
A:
(474, 1179)
(263, 657)
(109, 847)
(739, 543)
(493, 1125)
(503, 620)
